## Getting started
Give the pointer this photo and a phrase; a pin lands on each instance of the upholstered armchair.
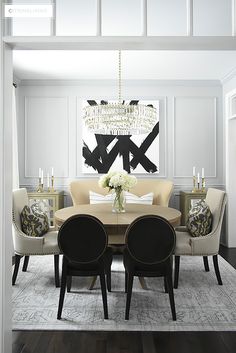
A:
(25, 245)
(207, 245)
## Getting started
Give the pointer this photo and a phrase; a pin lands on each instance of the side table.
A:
(187, 200)
(50, 202)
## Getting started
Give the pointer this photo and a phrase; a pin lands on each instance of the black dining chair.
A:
(150, 243)
(82, 240)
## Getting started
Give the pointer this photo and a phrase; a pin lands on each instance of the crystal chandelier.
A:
(120, 118)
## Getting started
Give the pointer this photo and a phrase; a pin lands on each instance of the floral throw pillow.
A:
(34, 221)
(199, 220)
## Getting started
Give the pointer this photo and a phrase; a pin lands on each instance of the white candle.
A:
(39, 173)
(202, 172)
(198, 178)
(42, 177)
(194, 171)
(48, 181)
(52, 171)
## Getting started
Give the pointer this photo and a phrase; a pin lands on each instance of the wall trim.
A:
(112, 82)
(25, 134)
(215, 134)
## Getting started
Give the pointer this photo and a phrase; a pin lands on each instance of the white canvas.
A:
(151, 155)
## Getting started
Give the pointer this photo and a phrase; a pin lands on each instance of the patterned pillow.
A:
(34, 221)
(199, 219)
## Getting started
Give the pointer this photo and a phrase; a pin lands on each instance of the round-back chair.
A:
(150, 243)
(82, 240)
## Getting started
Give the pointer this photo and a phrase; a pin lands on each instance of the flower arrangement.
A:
(119, 182)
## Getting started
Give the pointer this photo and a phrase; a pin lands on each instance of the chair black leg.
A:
(177, 262)
(68, 283)
(56, 270)
(108, 280)
(126, 281)
(25, 264)
(62, 290)
(217, 271)
(171, 295)
(104, 294)
(129, 294)
(16, 268)
(206, 264)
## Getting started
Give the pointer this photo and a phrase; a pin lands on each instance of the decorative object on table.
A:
(40, 182)
(203, 181)
(119, 182)
(196, 181)
(119, 118)
(52, 181)
(133, 153)
(199, 219)
(34, 222)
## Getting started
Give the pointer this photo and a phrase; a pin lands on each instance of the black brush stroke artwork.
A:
(132, 155)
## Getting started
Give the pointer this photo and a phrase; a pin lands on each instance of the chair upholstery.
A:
(208, 244)
(150, 243)
(162, 189)
(25, 245)
(80, 258)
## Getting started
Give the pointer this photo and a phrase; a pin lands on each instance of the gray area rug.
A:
(201, 304)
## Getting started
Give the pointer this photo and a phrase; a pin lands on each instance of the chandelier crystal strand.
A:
(119, 71)
(119, 118)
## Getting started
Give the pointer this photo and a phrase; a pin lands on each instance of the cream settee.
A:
(162, 190)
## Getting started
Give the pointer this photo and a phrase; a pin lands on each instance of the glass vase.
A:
(119, 201)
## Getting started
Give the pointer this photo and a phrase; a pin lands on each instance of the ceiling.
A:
(142, 64)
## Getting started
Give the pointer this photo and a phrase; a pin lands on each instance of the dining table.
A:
(117, 223)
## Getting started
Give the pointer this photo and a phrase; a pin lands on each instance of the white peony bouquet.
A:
(119, 182)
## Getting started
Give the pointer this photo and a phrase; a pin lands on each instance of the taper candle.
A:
(194, 171)
(42, 176)
(203, 173)
(48, 181)
(52, 172)
(198, 177)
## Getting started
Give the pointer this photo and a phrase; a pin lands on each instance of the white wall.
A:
(191, 128)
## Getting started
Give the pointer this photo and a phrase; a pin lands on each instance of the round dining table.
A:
(117, 223)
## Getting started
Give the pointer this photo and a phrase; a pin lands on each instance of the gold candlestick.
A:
(203, 184)
(52, 183)
(194, 184)
(40, 186)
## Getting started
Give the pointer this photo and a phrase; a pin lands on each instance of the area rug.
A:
(201, 304)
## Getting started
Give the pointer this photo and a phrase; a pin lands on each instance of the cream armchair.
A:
(203, 246)
(25, 245)
(162, 190)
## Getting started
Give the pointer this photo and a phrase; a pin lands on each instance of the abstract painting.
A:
(133, 153)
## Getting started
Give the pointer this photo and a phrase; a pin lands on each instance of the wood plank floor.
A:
(127, 342)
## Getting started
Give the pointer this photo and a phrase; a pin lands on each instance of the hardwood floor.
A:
(128, 342)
